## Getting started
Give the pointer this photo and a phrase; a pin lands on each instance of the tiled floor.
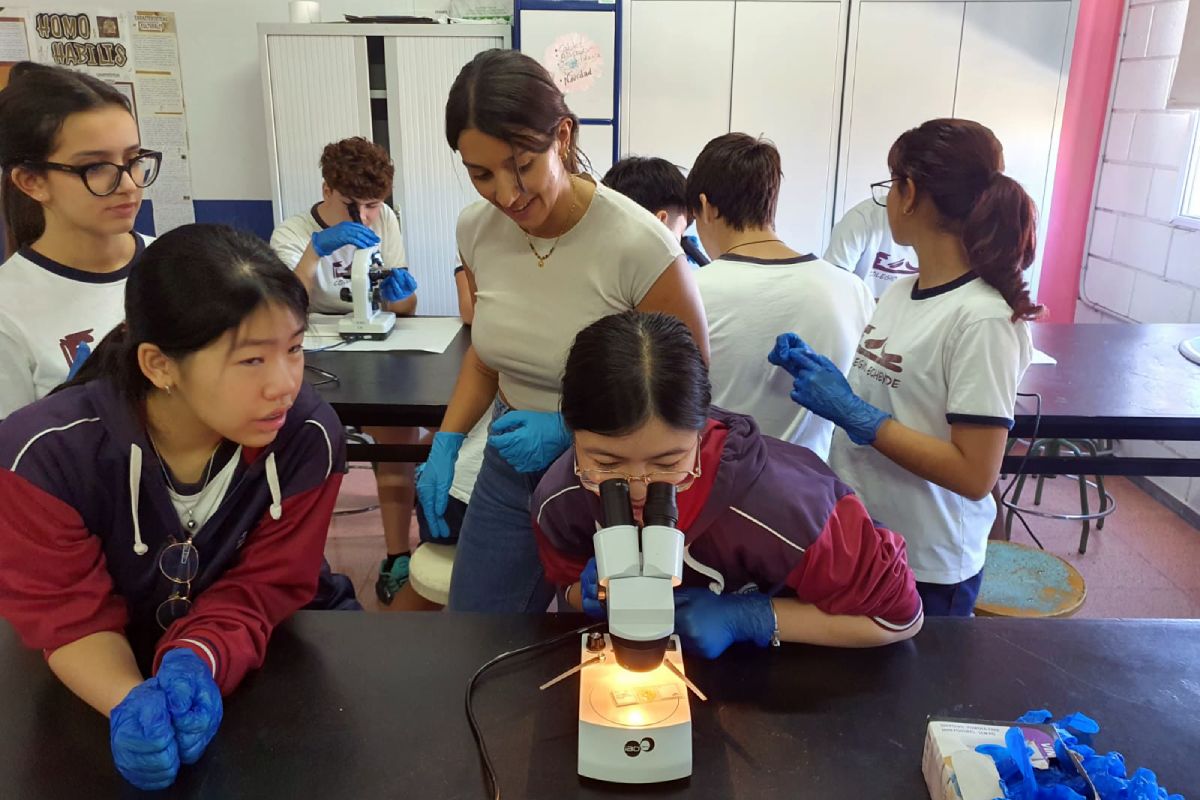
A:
(1145, 563)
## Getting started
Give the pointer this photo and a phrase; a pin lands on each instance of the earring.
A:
(167, 389)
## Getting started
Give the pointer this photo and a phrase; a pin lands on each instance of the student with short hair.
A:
(73, 174)
(658, 186)
(925, 415)
(862, 243)
(757, 283)
(168, 508)
(777, 548)
(319, 246)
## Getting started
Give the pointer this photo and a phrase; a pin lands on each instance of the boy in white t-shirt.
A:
(758, 286)
(862, 243)
(319, 246)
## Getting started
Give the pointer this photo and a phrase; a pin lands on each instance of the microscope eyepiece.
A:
(660, 506)
(614, 497)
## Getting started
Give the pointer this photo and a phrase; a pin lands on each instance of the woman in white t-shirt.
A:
(74, 171)
(547, 251)
(933, 386)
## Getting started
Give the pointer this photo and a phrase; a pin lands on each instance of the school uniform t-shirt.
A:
(47, 310)
(526, 317)
(294, 235)
(862, 243)
(750, 301)
(932, 358)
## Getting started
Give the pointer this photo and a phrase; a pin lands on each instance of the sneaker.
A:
(390, 581)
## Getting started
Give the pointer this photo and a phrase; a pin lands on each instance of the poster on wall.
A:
(136, 52)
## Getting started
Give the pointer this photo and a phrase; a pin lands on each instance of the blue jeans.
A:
(496, 565)
(950, 599)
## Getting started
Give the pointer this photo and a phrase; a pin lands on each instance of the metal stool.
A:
(1081, 448)
(1023, 581)
(358, 437)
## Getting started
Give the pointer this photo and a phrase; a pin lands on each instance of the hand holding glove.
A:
(193, 700)
(530, 440)
(398, 285)
(330, 240)
(143, 741)
(708, 623)
(821, 387)
(434, 479)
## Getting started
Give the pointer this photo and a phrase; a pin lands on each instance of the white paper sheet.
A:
(1042, 358)
(426, 334)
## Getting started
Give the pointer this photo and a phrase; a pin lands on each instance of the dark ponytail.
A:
(958, 163)
(625, 369)
(33, 108)
(510, 96)
(191, 286)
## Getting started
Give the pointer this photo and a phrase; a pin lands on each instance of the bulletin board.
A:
(578, 42)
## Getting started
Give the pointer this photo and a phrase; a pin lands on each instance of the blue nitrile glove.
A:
(398, 285)
(822, 388)
(589, 591)
(332, 239)
(434, 479)
(81, 355)
(142, 738)
(530, 440)
(193, 699)
(708, 623)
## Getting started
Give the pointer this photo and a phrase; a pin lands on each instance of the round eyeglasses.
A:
(180, 563)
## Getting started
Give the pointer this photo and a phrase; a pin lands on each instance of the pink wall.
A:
(1093, 60)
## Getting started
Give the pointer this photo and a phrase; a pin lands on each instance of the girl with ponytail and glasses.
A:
(925, 414)
(73, 174)
(168, 507)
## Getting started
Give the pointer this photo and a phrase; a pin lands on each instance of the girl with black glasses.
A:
(73, 174)
(168, 507)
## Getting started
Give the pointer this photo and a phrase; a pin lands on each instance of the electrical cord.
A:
(489, 770)
(1037, 424)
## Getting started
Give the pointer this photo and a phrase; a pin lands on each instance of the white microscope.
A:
(367, 320)
(635, 723)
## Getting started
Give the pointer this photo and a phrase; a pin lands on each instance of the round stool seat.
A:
(1022, 581)
(429, 571)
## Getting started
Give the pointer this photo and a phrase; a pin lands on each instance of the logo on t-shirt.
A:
(875, 350)
(341, 270)
(69, 344)
(893, 266)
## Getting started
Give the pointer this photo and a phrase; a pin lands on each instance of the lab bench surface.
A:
(356, 705)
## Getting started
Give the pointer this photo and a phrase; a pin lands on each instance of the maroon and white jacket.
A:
(764, 514)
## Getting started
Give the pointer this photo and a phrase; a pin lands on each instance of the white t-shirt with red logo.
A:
(932, 358)
(862, 243)
(47, 310)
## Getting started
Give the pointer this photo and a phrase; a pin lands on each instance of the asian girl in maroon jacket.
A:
(777, 548)
(167, 508)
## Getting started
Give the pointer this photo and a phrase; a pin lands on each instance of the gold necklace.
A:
(541, 259)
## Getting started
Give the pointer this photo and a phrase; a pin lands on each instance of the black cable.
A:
(488, 769)
(1037, 424)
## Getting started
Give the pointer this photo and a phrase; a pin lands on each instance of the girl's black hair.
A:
(190, 286)
(510, 96)
(33, 108)
(625, 369)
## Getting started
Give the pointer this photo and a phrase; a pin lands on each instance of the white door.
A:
(792, 95)
(1013, 62)
(317, 93)
(680, 60)
(431, 185)
(901, 71)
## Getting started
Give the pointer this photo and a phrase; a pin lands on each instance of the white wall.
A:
(1140, 267)
(222, 85)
